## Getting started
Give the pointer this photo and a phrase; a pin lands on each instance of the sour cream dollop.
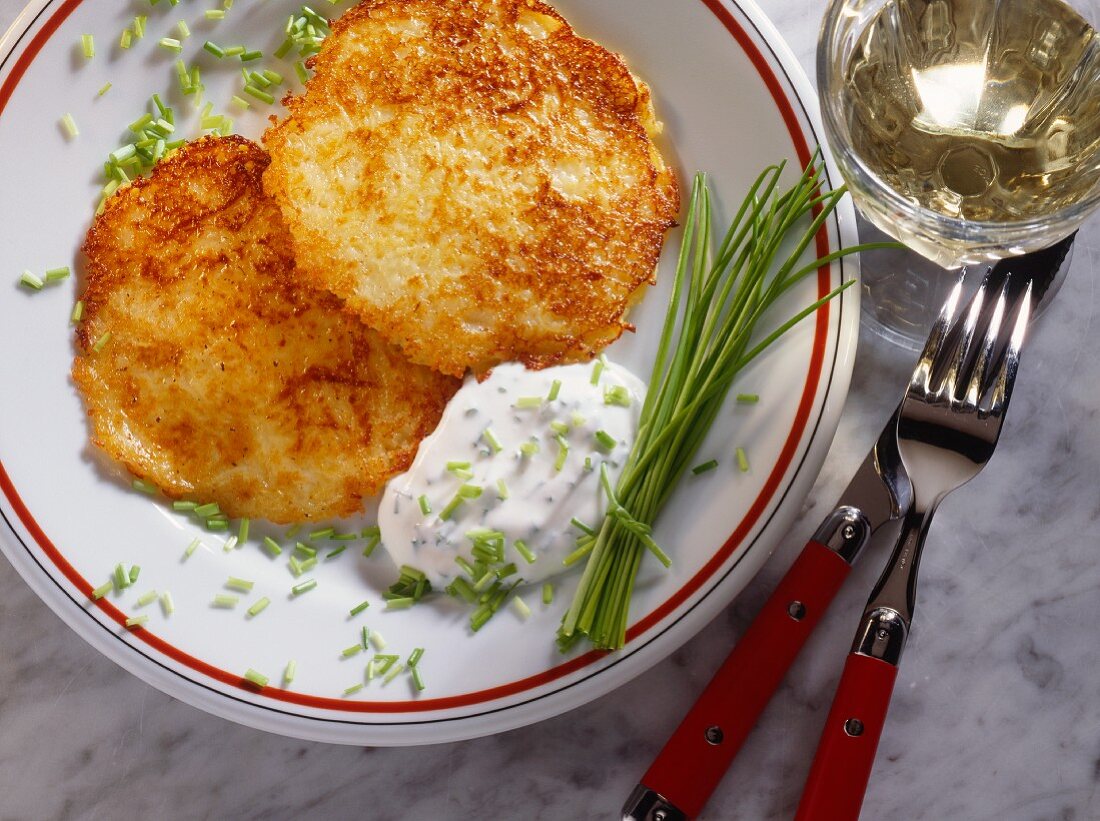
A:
(495, 426)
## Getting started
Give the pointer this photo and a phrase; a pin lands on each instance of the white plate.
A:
(733, 100)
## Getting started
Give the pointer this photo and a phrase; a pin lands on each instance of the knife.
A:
(693, 761)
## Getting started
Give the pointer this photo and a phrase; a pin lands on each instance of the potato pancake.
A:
(208, 369)
(475, 180)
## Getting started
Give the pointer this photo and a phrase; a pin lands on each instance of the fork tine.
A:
(1006, 374)
(922, 374)
(958, 353)
(978, 382)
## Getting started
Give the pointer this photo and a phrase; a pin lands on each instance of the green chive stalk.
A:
(719, 298)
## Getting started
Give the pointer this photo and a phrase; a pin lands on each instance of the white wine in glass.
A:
(967, 129)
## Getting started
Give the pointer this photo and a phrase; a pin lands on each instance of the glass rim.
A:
(850, 162)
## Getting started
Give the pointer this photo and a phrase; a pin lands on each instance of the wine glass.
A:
(967, 129)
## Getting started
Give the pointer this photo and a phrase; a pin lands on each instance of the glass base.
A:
(904, 292)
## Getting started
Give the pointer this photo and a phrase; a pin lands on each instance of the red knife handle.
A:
(692, 763)
(846, 753)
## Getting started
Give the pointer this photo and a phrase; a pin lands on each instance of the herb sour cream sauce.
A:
(519, 456)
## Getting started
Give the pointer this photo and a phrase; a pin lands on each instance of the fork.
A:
(946, 434)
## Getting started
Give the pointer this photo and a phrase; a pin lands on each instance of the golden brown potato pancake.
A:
(224, 378)
(474, 179)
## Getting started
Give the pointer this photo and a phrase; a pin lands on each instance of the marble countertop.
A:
(996, 713)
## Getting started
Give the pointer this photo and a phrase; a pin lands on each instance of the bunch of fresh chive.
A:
(718, 299)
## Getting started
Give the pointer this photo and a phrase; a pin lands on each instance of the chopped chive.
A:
(126, 38)
(213, 48)
(332, 554)
(309, 564)
(502, 489)
(184, 31)
(588, 466)
(418, 682)
(69, 124)
(560, 428)
(243, 585)
(343, 537)
(191, 548)
(259, 679)
(617, 395)
(523, 550)
(166, 604)
(78, 312)
(706, 466)
(31, 281)
(359, 608)
(143, 486)
(451, 507)
(87, 43)
(506, 570)
(242, 531)
(229, 544)
(547, 593)
(103, 89)
(225, 601)
(372, 666)
(748, 398)
(217, 524)
(576, 420)
(452, 466)
(207, 510)
(742, 460)
(272, 76)
(170, 43)
(258, 606)
(137, 621)
(238, 101)
(291, 668)
(491, 440)
(304, 587)
(414, 657)
(364, 637)
(292, 531)
(323, 533)
(563, 452)
(57, 274)
(392, 674)
(249, 56)
(371, 545)
(377, 640)
(135, 571)
(184, 505)
(102, 590)
(146, 598)
(214, 14)
(301, 70)
(306, 550)
(529, 448)
(605, 441)
(353, 689)
(425, 505)
(272, 546)
(555, 388)
(520, 606)
(468, 491)
(400, 603)
(597, 370)
(462, 474)
(139, 26)
(577, 523)
(354, 650)
(384, 661)
(295, 566)
(529, 402)
(233, 51)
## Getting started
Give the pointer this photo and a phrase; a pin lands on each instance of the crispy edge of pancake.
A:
(591, 324)
(235, 165)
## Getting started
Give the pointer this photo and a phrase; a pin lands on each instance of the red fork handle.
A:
(846, 753)
(692, 763)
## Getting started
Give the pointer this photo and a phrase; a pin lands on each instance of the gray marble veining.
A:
(996, 714)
